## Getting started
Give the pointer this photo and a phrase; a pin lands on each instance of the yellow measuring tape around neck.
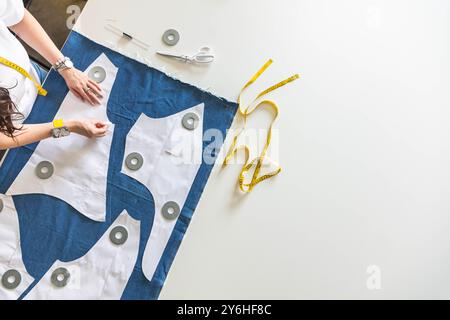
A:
(12, 65)
(245, 112)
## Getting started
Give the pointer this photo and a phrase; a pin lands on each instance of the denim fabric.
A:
(41, 72)
(51, 229)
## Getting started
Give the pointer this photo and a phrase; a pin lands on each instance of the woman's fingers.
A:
(84, 96)
(100, 133)
(93, 96)
(101, 129)
(92, 92)
(95, 89)
(80, 93)
(94, 85)
(76, 94)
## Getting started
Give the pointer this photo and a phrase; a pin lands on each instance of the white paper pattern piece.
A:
(102, 274)
(172, 156)
(80, 164)
(10, 251)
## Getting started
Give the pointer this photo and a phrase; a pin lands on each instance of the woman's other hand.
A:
(89, 128)
(81, 86)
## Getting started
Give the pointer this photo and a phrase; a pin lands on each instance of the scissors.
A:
(204, 55)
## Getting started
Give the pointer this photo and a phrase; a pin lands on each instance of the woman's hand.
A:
(81, 86)
(89, 128)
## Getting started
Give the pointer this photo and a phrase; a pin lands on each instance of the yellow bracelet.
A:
(58, 123)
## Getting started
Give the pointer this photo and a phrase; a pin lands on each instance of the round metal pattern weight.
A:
(60, 277)
(171, 37)
(11, 279)
(97, 74)
(170, 210)
(134, 161)
(118, 235)
(45, 170)
(190, 121)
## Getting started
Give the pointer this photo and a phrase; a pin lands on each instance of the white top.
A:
(23, 92)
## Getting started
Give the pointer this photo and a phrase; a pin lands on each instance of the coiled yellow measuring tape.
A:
(12, 65)
(245, 112)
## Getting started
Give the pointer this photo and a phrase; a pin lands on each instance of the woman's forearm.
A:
(32, 133)
(30, 31)
(29, 134)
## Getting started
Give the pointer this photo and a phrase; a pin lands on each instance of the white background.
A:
(364, 144)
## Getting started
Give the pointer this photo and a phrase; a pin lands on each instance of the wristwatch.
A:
(63, 64)
(59, 129)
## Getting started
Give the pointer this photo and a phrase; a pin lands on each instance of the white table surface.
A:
(364, 143)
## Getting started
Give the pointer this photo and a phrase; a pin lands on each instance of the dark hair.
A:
(8, 114)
